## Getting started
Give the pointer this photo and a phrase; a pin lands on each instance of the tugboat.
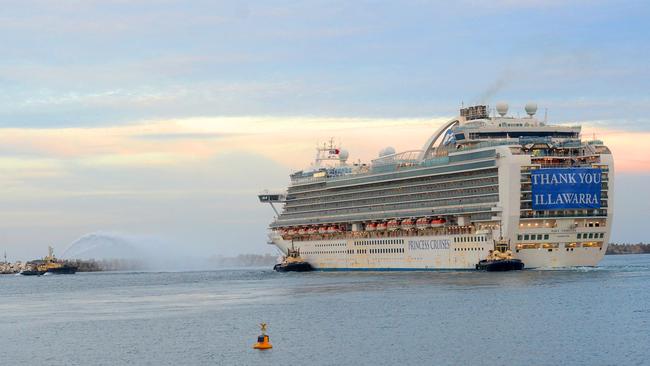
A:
(49, 264)
(293, 262)
(63, 268)
(500, 259)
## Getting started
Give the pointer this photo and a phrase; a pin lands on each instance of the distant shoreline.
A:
(108, 265)
(640, 248)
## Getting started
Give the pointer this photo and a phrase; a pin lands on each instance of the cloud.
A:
(182, 136)
(525, 4)
(99, 63)
(288, 140)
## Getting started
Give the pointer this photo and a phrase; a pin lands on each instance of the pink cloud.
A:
(289, 141)
(630, 152)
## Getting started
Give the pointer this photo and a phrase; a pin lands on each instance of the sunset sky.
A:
(163, 119)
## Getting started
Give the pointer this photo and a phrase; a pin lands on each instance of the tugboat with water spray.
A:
(50, 264)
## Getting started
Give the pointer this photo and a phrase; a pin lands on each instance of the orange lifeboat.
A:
(312, 231)
(393, 225)
(382, 226)
(422, 223)
(371, 226)
(331, 230)
(407, 224)
(322, 229)
(302, 231)
(439, 222)
(291, 231)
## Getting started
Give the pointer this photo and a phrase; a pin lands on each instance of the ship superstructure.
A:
(482, 177)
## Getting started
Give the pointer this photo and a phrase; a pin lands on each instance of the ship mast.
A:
(326, 152)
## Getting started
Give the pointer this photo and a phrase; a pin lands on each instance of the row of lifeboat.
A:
(312, 230)
(391, 225)
(407, 224)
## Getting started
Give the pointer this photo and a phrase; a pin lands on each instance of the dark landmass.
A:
(92, 265)
(211, 263)
(214, 262)
(639, 248)
(244, 260)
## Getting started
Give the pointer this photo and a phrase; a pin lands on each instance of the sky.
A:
(163, 119)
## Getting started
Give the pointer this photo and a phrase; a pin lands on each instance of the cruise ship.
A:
(484, 177)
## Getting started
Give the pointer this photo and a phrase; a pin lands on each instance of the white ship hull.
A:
(427, 253)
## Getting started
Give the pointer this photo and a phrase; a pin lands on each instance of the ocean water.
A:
(587, 316)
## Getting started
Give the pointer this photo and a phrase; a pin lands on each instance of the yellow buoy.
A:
(263, 340)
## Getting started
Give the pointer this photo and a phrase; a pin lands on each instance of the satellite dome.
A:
(531, 108)
(387, 151)
(343, 155)
(502, 108)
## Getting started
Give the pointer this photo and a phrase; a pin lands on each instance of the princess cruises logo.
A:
(431, 244)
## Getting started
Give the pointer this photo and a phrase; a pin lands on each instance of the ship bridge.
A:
(267, 196)
(272, 197)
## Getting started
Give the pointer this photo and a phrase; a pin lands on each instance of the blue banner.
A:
(566, 188)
